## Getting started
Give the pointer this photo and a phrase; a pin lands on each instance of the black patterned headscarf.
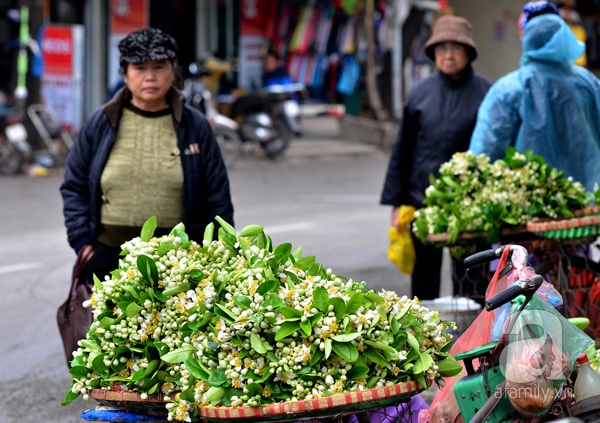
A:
(146, 45)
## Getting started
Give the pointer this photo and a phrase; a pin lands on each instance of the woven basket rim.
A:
(323, 404)
(281, 409)
(554, 225)
(587, 211)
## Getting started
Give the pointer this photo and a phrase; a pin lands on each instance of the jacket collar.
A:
(466, 76)
(114, 107)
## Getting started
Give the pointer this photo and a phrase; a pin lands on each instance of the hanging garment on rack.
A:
(347, 45)
(309, 35)
(350, 75)
(324, 30)
(300, 29)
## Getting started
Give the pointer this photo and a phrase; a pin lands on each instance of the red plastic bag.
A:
(487, 327)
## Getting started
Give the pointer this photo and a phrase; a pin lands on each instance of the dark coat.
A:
(439, 117)
(205, 182)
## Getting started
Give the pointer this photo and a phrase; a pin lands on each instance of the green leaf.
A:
(226, 226)
(290, 313)
(449, 367)
(159, 295)
(79, 371)
(251, 230)
(225, 313)
(165, 247)
(345, 337)
(268, 286)
(209, 232)
(133, 309)
(287, 328)
(327, 348)
(355, 302)
(98, 364)
(297, 254)
(374, 297)
(152, 366)
(148, 229)
(176, 290)
(147, 268)
(215, 394)
(320, 299)
(316, 356)
(254, 389)
(357, 372)
(412, 341)
(305, 263)
(285, 250)
(375, 357)
(242, 301)
(274, 302)
(346, 350)
(423, 363)
(339, 307)
(69, 396)
(258, 345)
(395, 325)
(98, 283)
(139, 375)
(306, 327)
(217, 378)
(179, 355)
(273, 358)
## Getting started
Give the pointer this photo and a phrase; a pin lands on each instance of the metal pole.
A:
(229, 33)
(401, 10)
(96, 63)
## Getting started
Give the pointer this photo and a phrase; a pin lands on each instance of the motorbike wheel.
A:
(280, 142)
(11, 159)
(230, 144)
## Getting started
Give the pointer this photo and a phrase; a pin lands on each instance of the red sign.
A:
(128, 15)
(255, 14)
(57, 50)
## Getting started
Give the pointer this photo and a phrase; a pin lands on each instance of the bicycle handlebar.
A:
(488, 256)
(509, 294)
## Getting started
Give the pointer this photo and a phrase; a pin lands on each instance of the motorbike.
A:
(14, 148)
(485, 394)
(267, 117)
(225, 129)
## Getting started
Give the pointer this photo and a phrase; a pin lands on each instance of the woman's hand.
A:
(85, 253)
(394, 220)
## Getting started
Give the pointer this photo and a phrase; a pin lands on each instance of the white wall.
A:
(495, 32)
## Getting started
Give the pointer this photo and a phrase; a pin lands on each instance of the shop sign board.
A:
(125, 16)
(253, 23)
(62, 77)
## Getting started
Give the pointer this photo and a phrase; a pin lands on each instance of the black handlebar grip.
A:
(482, 257)
(505, 296)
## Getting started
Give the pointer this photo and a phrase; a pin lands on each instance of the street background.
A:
(322, 194)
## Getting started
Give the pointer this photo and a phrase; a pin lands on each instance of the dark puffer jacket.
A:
(439, 117)
(205, 182)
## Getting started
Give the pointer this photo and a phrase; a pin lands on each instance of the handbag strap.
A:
(81, 262)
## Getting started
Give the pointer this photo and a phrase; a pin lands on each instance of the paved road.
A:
(323, 195)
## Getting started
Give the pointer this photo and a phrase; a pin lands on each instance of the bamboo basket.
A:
(344, 403)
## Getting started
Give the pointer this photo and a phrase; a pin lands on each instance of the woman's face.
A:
(149, 83)
(451, 58)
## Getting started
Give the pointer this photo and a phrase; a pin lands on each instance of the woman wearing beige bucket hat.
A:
(439, 117)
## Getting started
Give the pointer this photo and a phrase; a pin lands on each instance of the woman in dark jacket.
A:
(439, 117)
(145, 153)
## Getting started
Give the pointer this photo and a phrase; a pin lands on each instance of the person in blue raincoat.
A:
(549, 105)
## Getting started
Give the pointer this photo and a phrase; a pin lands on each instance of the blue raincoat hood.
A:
(549, 105)
(549, 38)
